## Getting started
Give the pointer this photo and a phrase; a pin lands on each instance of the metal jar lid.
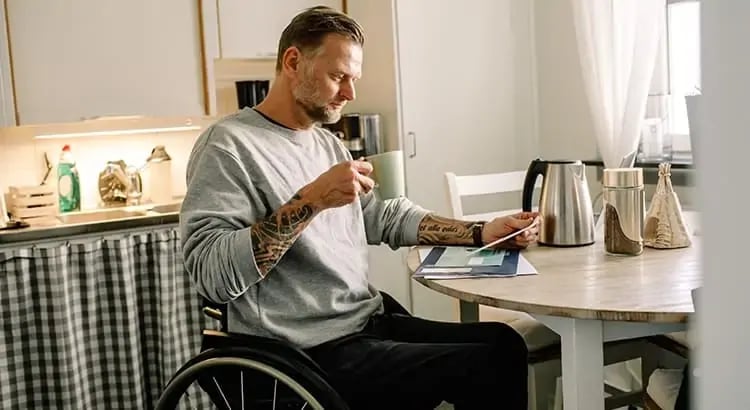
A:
(623, 177)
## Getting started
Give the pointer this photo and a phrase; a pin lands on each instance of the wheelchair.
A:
(238, 371)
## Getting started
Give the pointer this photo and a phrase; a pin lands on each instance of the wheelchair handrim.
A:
(188, 377)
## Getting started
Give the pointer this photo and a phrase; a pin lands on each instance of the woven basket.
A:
(665, 226)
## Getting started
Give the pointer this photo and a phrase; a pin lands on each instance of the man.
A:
(276, 221)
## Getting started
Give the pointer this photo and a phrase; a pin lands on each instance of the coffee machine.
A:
(361, 133)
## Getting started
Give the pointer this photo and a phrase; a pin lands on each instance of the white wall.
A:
(724, 357)
(565, 126)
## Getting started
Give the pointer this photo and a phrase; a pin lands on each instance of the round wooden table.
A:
(588, 298)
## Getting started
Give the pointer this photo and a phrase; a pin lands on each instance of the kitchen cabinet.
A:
(466, 102)
(386, 272)
(86, 58)
(251, 28)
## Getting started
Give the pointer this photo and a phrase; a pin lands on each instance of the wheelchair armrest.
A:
(218, 339)
(213, 313)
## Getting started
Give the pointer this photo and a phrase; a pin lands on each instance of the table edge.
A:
(440, 286)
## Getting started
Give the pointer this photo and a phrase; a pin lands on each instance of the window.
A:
(677, 74)
(683, 37)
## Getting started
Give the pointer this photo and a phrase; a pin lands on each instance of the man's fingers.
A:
(526, 215)
(363, 167)
(366, 183)
(517, 223)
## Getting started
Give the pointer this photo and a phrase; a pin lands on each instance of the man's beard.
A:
(307, 97)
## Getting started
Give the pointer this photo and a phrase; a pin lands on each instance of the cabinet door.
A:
(86, 58)
(251, 28)
(388, 273)
(466, 99)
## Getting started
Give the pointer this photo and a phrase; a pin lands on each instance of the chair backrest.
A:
(482, 184)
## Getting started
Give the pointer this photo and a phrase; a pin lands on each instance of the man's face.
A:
(325, 80)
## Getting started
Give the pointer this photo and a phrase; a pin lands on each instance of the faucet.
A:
(134, 189)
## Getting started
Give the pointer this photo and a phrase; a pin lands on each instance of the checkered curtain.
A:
(100, 323)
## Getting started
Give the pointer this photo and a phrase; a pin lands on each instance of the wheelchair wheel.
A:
(242, 378)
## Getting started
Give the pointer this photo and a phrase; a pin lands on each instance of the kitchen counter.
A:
(95, 221)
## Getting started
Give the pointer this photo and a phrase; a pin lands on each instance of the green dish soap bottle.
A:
(68, 182)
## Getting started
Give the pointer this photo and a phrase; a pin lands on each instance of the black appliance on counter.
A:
(361, 133)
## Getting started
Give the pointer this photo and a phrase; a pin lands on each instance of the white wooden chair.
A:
(537, 336)
(543, 344)
(664, 384)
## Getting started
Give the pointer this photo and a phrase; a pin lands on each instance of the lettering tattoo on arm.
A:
(437, 230)
(274, 235)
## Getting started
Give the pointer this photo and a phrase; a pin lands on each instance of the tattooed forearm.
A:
(436, 230)
(273, 236)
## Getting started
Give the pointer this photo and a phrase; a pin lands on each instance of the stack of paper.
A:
(458, 262)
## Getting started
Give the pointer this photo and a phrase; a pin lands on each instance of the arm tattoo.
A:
(437, 230)
(274, 235)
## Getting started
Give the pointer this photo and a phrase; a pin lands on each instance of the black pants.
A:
(402, 362)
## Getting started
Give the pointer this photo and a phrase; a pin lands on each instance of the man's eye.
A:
(338, 77)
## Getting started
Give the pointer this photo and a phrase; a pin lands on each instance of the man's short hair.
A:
(307, 30)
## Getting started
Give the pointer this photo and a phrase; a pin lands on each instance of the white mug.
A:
(388, 174)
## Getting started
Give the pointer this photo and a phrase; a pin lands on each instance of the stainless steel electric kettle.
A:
(564, 204)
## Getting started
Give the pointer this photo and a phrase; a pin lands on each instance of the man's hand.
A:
(505, 225)
(340, 185)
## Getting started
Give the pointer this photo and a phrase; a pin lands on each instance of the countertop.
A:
(95, 221)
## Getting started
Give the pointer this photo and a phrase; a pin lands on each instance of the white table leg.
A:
(582, 361)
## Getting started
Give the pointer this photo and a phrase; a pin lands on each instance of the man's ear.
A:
(291, 60)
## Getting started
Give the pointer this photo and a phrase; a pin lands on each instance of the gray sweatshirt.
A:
(242, 169)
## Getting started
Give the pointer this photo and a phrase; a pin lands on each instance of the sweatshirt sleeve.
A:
(220, 205)
(393, 221)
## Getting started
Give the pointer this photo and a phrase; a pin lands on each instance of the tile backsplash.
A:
(22, 158)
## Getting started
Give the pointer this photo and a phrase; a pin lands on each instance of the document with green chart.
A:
(460, 257)
(445, 262)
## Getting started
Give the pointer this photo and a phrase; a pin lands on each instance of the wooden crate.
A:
(31, 202)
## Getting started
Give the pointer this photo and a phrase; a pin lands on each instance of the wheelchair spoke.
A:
(222, 393)
(275, 384)
(303, 406)
(242, 390)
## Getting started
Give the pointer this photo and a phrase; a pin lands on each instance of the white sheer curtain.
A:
(617, 44)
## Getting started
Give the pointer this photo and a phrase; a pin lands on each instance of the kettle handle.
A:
(536, 167)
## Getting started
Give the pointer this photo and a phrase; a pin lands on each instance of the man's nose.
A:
(347, 91)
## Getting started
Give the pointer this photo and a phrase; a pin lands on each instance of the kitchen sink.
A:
(102, 215)
(166, 208)
(116, 214)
